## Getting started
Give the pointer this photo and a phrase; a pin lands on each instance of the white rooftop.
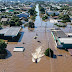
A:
(4, 19)
(70, 34)
(18, 49)
(66, 40)
(3, 31)
(12, 31)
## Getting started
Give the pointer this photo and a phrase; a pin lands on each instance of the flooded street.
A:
(22, 61)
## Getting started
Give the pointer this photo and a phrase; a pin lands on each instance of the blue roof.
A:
(22, 15)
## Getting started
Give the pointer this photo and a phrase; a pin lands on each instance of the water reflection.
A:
(22, 33)
(39, 22)
(50, 23)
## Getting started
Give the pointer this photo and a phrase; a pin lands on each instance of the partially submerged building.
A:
(61, 39)
(52, 12)
(10, 34)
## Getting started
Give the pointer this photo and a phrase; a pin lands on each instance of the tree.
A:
(5, 23)
(18, 23)
(45, 17)
(2, 10)
(49, 52)
(26, 19)
(15, 21)
(16, 12)
(65, 8)
(42, 10)
(12, 23)
(0, 25)
(33, 18)
(65, 18)
(53, 14)
(32, 11)
(31, 25)
(3, 51)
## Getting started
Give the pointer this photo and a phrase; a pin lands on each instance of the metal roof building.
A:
(61, 39)
(12, 31)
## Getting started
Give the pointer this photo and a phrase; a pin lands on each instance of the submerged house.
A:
(52, 12)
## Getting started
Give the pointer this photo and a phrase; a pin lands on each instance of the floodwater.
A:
(22, 61)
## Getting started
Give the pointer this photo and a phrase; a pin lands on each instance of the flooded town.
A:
(36, 36)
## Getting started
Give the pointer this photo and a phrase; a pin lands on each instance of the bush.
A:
(3, 51)
(49, 52)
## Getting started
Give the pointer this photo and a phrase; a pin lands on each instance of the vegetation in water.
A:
(3, 51)
(49, 52)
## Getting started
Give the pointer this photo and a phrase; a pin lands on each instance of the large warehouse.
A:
(61, 39)
(9, 33)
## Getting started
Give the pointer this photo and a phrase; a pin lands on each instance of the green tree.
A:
(12, 23)
(0, 25)
(15, 21)
(65, 18)
(42, 10)
(31, 25)
(26, 19)
(45, 17)
(32, 11)
(3, 51)
(53, 14)
(49, 52)
(18, 23)
(16, 12)
(2, 10)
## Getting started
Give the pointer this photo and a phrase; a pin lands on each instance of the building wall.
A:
(67, 45)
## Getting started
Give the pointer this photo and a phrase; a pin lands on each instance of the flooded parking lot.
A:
(22, 61)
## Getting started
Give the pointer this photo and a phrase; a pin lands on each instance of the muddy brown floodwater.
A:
(22, 61)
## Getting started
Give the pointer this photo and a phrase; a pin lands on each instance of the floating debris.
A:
(35, 37)
(39, 41)
(23, 43)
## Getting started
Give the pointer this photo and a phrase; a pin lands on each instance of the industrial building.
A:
(61, 39)
(9, 33)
